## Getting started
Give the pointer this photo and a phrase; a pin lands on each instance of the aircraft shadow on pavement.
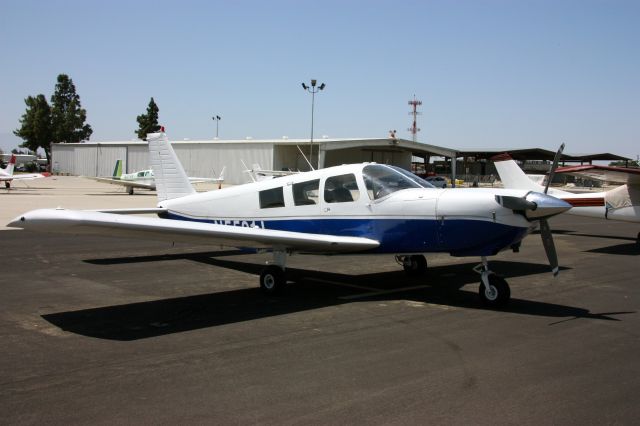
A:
(311, 290)
(162, 257)
(632, 249)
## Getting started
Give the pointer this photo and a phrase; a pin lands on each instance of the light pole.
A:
(217, 119)
(313, 90)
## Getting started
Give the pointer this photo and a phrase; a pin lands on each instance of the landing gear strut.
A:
(494, 290)
(273, 277)
(414, 265)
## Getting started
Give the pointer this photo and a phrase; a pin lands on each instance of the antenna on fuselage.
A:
(305, 157)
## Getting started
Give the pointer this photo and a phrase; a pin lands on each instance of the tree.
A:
(35, 125)
(67, 115)
(148, 123)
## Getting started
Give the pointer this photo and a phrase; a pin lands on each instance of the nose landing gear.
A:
(494, 290)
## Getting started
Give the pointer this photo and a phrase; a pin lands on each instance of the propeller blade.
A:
(554, 166)
(549, 246)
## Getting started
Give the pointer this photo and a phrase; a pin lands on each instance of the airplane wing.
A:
(117, 225)
(29, 176)
(606, 173)
(121, 182)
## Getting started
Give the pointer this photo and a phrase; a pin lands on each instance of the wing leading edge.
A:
(116, 225)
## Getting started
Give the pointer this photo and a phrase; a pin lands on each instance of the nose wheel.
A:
(494, 290)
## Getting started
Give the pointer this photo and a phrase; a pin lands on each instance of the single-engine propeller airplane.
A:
(144, 179)
(621, 203)
(360, 208)
(7, 176)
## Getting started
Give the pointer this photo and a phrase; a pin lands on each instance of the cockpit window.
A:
(382, 180)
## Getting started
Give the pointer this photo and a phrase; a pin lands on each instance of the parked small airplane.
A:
(621, 203)
(257, 173)
(364, 208)
(144, 179)
(7, 176)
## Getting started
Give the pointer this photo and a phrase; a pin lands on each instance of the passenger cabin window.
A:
(341, 189)
(306, 193)
(270, 198)
(382, 180)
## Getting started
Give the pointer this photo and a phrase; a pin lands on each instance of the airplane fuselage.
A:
(463, 222)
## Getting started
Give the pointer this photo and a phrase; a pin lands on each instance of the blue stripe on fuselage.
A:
(459, 237)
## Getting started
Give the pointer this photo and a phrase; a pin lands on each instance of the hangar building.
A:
(207, 158)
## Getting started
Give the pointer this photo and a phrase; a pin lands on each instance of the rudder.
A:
(171, 179)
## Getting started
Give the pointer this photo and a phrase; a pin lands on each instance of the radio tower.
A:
(414, 128)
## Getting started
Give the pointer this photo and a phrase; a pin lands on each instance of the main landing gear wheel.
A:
(497, 294)
(130, 190)
(415, 265)
(7, 184)
(272, 279)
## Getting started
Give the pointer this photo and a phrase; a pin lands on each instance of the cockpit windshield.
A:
(382, 180)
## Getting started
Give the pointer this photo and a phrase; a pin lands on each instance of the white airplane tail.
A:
(171, 179)
(8, 171)
(512, 176)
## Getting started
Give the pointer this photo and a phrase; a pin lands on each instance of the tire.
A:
(415, 266)
(272, 280)
(130, 190)
(7, 184)
(500, 295)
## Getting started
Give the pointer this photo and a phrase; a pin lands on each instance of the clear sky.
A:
(489, 73)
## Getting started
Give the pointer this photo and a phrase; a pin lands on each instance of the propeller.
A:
(540, 206)
(545, 229)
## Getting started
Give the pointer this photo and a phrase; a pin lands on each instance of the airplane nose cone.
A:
(18, 222)
(546, 206)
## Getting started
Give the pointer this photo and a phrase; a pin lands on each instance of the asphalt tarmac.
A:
(105, 331)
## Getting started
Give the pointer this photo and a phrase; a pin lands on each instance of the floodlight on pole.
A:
(217, 119)
(313, 90)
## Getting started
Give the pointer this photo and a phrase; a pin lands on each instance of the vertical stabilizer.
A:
(512, 176)
(117, 171)
(12, 163)
(171, 179)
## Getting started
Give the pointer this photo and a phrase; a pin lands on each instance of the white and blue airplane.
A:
(360, 208)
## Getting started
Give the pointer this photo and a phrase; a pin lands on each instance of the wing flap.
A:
(116, 225)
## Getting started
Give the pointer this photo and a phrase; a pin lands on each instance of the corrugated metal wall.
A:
(137, 158)
(62, 158)
(107, 157)
(85, 161)
(199, 159)
(208, 159)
